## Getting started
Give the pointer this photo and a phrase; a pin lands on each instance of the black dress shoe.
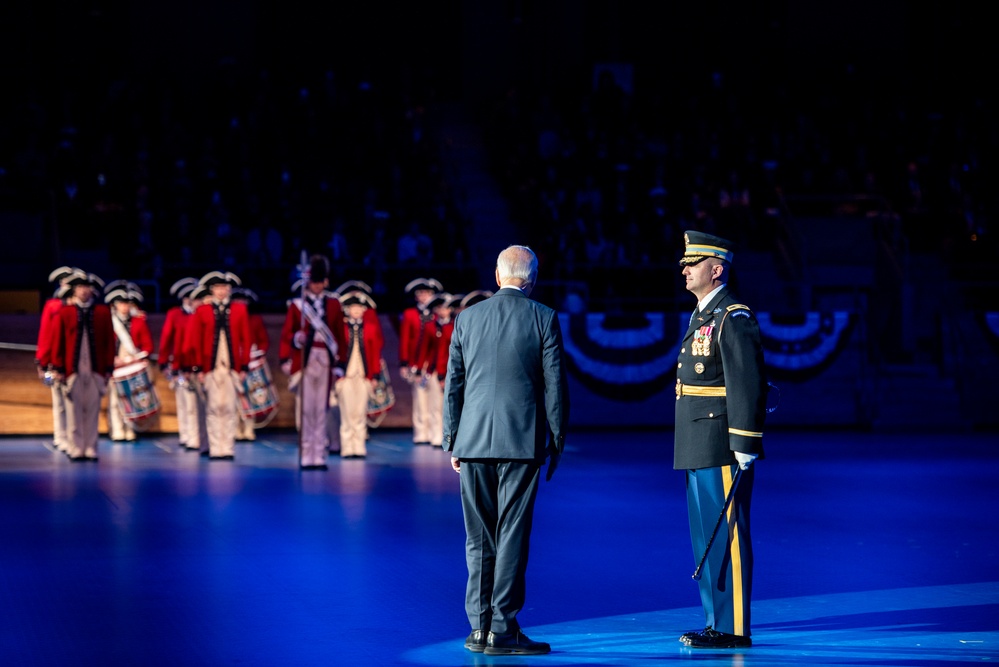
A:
(514, 643)
(476, 641)
(687, 635)
(224, 457)
(713, 639)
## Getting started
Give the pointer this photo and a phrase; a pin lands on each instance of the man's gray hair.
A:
(518, 261)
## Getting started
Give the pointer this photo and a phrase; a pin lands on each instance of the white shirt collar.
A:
(707, 299)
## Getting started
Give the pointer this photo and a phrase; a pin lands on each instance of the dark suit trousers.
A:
(497, 499)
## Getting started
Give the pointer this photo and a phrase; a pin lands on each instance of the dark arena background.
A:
(849, 149)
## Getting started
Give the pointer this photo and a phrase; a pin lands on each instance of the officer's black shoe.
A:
(713, 639)
(687, 635)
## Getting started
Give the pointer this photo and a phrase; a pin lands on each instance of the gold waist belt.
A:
(695, 390)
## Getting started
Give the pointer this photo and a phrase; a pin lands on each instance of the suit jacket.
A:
(506, 384)
(721, 348)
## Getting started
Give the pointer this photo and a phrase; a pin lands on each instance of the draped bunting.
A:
(633, 357)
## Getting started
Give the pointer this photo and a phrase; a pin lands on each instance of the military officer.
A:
(720, 408)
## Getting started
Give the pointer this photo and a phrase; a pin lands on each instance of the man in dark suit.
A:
(721, 392)
(505, 389)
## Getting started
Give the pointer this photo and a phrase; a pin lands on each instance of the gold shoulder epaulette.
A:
(737, 306)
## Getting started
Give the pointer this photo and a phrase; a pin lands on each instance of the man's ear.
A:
(498, 283)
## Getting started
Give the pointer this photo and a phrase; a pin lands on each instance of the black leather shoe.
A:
(713, 639)
(476, 641)
(687, 635)
(514, 643)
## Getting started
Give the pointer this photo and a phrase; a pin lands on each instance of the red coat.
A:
(142, 338)
(172, 338)
(50, 313)
(373, 340)
(258, 332)
(293, 323)
(200, 342)
(411, 325)
(434, 350)
(64, 343)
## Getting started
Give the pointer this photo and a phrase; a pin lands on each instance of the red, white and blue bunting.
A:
(799, 347)
(633, 357)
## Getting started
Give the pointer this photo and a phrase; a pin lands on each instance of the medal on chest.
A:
(701, 346)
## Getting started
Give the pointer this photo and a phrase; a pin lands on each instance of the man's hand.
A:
(745, 460)
(456, 464)
(298, 340)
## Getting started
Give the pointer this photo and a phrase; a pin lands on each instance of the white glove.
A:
(745, 460)
(298, 340)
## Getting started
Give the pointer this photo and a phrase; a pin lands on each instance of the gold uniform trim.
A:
(697, 390)
(748, 434)
(735, 553)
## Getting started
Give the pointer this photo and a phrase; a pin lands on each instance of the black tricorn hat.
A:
(423, 283)
(177, 289)
(216, 277)
(474, 297)
(356, 297)
(352, 285)
(440, 299)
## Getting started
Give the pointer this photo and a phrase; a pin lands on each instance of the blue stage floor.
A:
(871, 549)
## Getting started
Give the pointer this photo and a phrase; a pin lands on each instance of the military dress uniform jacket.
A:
(721, 386)
(50, 316)
(372, 344)
(432, 357)
(411, 330)
(172, 339)
(202, 337)
(64, 352)
(332, 316)
(142, 337)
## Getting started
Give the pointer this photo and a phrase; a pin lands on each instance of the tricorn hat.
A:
(244, 293)
(474, 297)
(356, 297)
(423, 283)
(60, 274)
(351, 285)
(216, 277)
(81, 277)
(440, 299)
(699, 246)
(178, 288)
